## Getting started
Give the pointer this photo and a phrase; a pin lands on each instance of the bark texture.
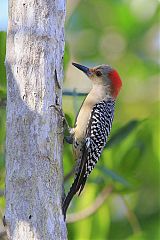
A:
(34, 177)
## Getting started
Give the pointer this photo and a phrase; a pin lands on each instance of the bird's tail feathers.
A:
(77, 185)
(69, 197)
(82, 185)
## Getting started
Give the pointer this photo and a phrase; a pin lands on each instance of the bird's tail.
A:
(69, 197)
(77, 185)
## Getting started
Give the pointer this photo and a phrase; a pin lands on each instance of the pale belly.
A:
(80, 131)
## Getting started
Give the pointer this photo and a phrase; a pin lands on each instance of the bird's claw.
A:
(69, 139)
(60, 111)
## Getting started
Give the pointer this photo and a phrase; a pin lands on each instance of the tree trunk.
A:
(34, 175)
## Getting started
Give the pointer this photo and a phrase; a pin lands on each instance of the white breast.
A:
(97, 94)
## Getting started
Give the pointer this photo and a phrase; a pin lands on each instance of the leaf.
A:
(122, 133)
(107, 172)
(96, 180)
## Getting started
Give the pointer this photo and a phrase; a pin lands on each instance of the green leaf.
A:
(107, 172)
(122, 133)
(96, 180)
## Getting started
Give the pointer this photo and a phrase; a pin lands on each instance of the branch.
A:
(74, 217)
(131, 216)
(65, 93)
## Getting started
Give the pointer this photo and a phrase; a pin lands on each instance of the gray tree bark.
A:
(34, 175)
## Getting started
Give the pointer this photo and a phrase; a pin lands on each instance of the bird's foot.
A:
(65, 122)
(69, 139)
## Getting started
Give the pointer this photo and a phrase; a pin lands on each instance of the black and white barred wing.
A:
(98, 131)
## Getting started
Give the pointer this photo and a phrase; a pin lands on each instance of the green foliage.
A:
(3, 93)
(122, 133)
(2, 60)
(113, 175)
(2, 114)
(66, 57)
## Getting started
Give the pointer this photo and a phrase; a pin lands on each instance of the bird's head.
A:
(103, 75)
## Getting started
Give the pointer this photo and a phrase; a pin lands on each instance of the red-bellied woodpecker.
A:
(93, 124)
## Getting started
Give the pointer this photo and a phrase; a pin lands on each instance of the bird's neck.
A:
(98, 93)
(101, 92)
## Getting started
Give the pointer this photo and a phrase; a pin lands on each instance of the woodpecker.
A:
(93, 124)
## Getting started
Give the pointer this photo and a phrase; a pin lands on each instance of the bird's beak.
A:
(84, 69)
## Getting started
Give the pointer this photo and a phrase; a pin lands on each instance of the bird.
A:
(92, 124)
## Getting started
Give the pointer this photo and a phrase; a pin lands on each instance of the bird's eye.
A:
(98, 73)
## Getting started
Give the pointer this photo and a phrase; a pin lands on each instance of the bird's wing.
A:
(97, 132)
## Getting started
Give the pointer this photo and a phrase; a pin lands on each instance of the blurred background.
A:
(121, 197)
